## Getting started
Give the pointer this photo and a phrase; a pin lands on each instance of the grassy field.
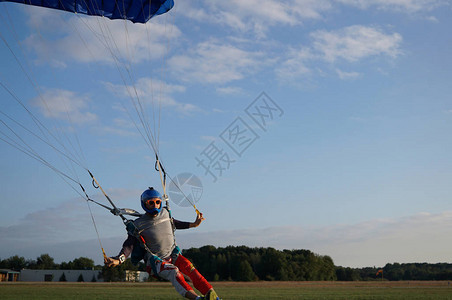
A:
(232, 290)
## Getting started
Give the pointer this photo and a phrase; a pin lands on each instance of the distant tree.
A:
(418, 271)
(45, 262)
(244, 263)
(82, 263)
(66, 265)
(63, 277)
(347, 274)
(80, 278)
(113, 274)
(272, 262)
(222, 271)
(93, 279)
(245, 272)
(14, 263)
(327, 268)
(368, 273)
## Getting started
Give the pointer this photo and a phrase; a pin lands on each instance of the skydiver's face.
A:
(153, 203)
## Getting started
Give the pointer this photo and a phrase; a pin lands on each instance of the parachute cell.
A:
(137, 11)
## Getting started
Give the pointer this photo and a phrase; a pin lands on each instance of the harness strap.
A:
(133, 231)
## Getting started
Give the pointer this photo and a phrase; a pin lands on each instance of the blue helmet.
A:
(150, 193)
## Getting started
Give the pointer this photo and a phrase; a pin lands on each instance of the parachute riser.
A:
(113, 210)
(161, 170)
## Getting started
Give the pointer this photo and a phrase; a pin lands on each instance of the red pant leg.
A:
(172, 273)
(186, 267)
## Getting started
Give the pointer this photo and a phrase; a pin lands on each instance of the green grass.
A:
(232, 290)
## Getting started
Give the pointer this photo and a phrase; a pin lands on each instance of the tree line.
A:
(396, 272)
(241, 263)
(249, 264)
(46, 262)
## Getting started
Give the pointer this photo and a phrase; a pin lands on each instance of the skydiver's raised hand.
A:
(197, 222)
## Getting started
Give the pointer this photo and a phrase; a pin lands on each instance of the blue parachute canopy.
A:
(137, 11)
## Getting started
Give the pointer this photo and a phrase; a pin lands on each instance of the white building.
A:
(136, 276)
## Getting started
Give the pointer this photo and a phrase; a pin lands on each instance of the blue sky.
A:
(355, 165)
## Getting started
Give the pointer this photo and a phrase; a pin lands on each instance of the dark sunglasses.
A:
(155, 202)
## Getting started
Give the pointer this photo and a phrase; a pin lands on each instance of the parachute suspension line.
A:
(27, 149)
(33, 81)
(108, 40)
(113, 210)
(152, 136)
(62, 175)
(97, 232)
(29, 77)
(31, 153)
(164, 66)
(159, 168)
(164, 72)
(151, 77)
(77, 152)
(9, 24)
(111, 45)
(38, 158)
(162, 173)
(26, 74)
(97, 185)
(153, 96)
(140, 110)
(169, 27)
(92, 218)
(186, 197)
(163, 176)
(147, 135)
(42, 128)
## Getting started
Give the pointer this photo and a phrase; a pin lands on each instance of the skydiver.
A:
(151, 237)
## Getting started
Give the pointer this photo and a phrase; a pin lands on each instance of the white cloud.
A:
(355, 42)
(409, 6)
(347, 75)
(349, 44)
(418, 238)
(92, 39)
(118, 131)
(124, 123)
(49, 225)
(64, 105)
(64, 232)
(423, 237)
(296, 64)
(70, 220)
(256, 16)
(230, 90)
(155, 94)
(432, 19)
(213, 62)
